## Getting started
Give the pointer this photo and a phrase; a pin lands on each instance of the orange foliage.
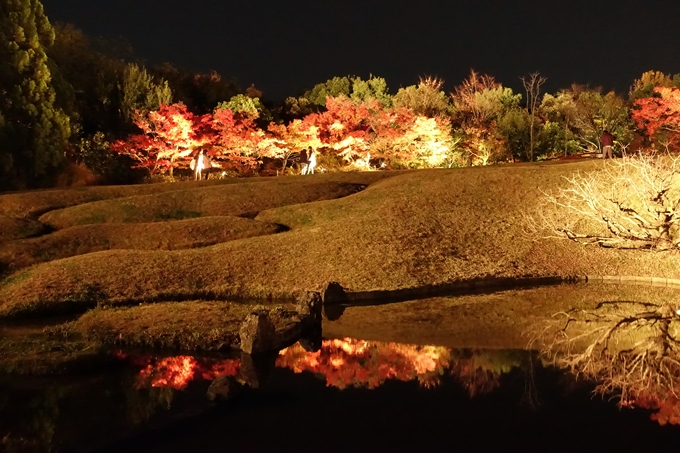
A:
(177, 372)
(344, 363)
(170, 134)
(667, 406)
(660, 114)
(350, 362)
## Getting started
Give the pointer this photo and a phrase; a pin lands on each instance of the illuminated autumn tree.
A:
(478, 104)
(346, 126)
(350, 362)
(427, 98)
(659, 117)
(648, 81)
(283, 143)
(426, 143)
(358, 132)
(169, 137)
(236, 139)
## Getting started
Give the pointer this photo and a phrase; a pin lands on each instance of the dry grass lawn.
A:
(36, 202)
(82, 239)
(244, 199)
(192, 325)
(410, 229)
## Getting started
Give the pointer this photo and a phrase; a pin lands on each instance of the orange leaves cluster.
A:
(660, 114)
(178, 371)
(349, 362)
(343, 363)
(349, 129)
(172, 135)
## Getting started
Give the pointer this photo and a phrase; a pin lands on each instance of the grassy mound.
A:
(412, 229)
(13, 228)
(234, 199)
(181, 234)
(33, 203)
(194, 325)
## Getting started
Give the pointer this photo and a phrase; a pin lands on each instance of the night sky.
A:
(285, 47)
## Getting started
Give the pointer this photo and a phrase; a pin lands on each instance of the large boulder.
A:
(309, 307)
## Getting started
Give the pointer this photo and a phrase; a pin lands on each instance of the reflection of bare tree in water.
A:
(631, 349)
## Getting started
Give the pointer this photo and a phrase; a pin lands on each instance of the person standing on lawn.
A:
(606, 141)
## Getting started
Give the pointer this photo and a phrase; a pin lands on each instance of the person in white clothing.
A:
(311, 162)
(200, 164)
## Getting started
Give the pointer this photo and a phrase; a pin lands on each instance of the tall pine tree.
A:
(33, 132)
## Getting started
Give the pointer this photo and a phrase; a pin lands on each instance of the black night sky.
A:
(285, 47)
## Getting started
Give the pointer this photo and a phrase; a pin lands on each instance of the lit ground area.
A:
(367, 231)
(203, 244)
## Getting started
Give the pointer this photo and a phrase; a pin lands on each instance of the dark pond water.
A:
(351, 395)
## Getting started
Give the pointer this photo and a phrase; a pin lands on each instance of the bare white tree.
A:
(629, 203)
(532, 85)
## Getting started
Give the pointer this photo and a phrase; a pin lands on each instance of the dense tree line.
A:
(72, 101)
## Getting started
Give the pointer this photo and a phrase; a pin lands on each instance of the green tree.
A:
(88, 79)
(249, 107)
(373, 88)
(596, 113)
(427, 98)
(141, 93)
(352, 87)
(644, 86)
(330, 88)
(479, 104)
(34, 131)
(513, 127)
(560, 111)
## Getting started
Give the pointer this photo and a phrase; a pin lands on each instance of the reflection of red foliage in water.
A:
(475, 379)
(668, 407)
(344, 363)
(351, 362)
(176, 372)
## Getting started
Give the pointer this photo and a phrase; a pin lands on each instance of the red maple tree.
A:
(236, 140)
(659, 117)
(170, 135)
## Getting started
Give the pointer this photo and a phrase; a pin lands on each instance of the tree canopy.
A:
(33, 130)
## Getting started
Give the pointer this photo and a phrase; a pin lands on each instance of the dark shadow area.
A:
(299, 413)
(468, 287)
(248, 215)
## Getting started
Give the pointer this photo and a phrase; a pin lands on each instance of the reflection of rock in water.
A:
(312, 343)
(631, 349)
(223, 388)
(256, 369)
(334, 298)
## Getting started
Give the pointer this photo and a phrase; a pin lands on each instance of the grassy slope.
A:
(36, 202)
(411, 229)
(235, 199)
(81, 239)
